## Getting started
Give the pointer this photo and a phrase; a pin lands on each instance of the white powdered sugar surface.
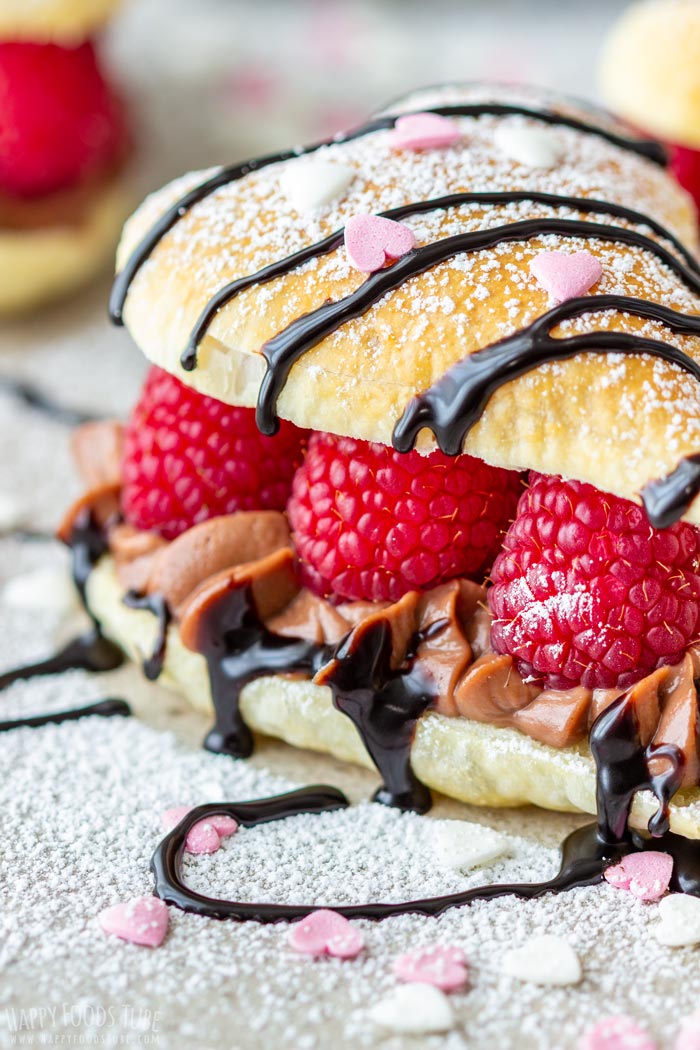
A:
(81, 806)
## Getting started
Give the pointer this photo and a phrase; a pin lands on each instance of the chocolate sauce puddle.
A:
(584, 858)
(333, 241)
(651, 150)
(108, 708)
(35, 399)
(91, 651)
(154, 603)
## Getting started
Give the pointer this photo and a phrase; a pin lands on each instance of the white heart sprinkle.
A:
(460, 845)
(48, 589)
(680, 920)
(12, 514)
(414, 1008)
(543, 960)
(535, 147)
(311, 183)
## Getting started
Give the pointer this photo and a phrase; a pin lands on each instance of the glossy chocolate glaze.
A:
(90, 651)
(103, 708)
(232, 173)
(454, 403)
(35, 399)
(154, 603)
(334, 240)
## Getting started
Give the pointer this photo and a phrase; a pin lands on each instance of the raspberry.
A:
(369, 522)
(188, 457)
(60, 122)
(586, 592)
(685, 166)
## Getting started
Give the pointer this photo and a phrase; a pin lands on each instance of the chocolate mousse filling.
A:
(229, 585)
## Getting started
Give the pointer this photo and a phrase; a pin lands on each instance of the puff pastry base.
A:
(479, 764)
(650, 71)
(64, 21)
(40, 264)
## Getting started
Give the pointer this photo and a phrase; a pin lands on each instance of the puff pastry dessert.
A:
(413, 478)
(650, 74)
(63, 147)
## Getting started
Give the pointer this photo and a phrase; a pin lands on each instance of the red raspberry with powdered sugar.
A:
(372, 523)
(586, 592)
(189, 457)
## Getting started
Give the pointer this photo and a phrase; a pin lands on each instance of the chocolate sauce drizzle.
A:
(154, 603)
(284, 349)
(690, 272)
(91, 651)
(622, 768)
(107, 708)
(584, 858)
(35, 399)
(651, 150)
(452, 406)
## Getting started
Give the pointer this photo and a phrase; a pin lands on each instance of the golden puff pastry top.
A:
(615, 421)
(650, 70)
(62, 21)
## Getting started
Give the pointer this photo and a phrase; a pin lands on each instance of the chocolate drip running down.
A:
(623, 769)
(239, 648)
(651, 150)
(90, 651)
(154, 603)
(383, 704)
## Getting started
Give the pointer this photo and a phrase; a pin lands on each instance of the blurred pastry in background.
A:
(64, 141)
(650, 75)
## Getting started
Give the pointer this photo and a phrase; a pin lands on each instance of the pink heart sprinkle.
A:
(616, 1033)
(646, 875)
(324, 932)
(424, 131)
(206, 835)
(370, 240)
(566, 276)
(445, 967)
(143, 920)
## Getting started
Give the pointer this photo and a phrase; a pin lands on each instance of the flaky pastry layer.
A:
(44, 262)
(614, 421)
(469, 761)
(650, 71)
